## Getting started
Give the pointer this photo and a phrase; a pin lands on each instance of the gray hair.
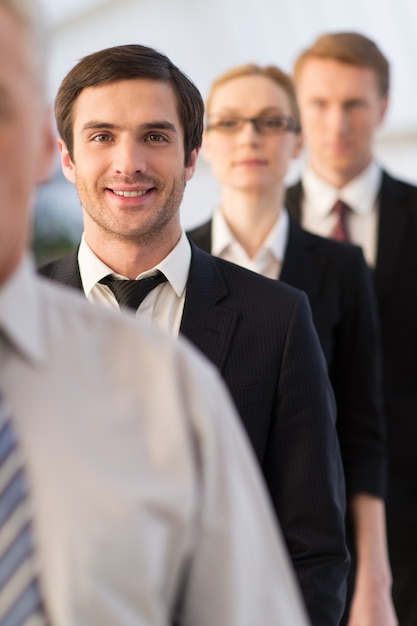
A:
(29, 14)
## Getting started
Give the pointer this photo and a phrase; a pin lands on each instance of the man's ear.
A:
(47, 150)
(298, 147)
(66, 161)
(383, 109)
(191, 165)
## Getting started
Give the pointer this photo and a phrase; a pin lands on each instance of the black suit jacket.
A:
(260, 335)
(395, 278)
(338, 283)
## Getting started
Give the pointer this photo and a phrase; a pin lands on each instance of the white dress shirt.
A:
(268, 260)
(163, 305)
(145, 493)
(360, 194)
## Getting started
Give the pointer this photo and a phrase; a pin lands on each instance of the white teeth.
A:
(130, 194)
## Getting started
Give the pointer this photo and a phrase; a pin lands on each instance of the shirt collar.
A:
(275, 243)
(359, 194)
(175, 266)
(20, 312)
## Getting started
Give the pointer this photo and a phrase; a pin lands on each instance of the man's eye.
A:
(355, 104)
(102, 137)
(156, 138)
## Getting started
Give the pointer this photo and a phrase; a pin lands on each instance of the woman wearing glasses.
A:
(252, 133)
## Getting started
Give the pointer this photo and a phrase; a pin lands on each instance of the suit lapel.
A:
(65, 270)
(293, 201)
(201, 236)
(392, 233)
(205, 322)
(297, 268)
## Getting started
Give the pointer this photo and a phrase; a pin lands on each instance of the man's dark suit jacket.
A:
(338, 283)
(395, 279)
(260, 335)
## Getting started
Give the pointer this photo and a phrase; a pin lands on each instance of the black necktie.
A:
(130, 293)
(340, 231)
(20, 599)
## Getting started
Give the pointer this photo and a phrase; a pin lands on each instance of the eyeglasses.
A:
(264, 124)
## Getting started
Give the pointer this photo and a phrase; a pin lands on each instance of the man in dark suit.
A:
(342, 86)
(130, 126)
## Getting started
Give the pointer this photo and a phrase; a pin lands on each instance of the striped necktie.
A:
(130, 293)
(20, 599)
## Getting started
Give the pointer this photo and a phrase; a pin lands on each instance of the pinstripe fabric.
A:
(20, 601)
(339, 287)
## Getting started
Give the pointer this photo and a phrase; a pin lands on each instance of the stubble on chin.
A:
(148, 231)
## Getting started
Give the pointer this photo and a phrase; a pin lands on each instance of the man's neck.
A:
(130, 258)
(338, 178)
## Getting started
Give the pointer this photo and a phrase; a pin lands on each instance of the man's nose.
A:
(338, 120)
(129, 157)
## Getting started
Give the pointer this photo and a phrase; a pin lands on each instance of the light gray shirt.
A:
(144, 490)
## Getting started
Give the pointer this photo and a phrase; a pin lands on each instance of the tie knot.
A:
(130, 293)
(340, 208)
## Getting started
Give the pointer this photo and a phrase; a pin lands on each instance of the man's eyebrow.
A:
(155, 125)
(159, 125)
(96, 125)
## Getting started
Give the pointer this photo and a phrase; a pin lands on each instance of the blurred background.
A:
(205, 39)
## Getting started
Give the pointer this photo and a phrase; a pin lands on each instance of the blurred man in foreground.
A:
(146, 504)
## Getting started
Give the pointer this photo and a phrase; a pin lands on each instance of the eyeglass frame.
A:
(290, 124)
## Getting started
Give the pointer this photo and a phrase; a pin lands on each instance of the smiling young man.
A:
(342, 84)
(130, 125)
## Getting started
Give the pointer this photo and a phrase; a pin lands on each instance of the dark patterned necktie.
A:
(340, 231)
(20, 599)
(130, 293)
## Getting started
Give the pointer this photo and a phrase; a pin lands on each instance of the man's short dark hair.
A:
(130, 62)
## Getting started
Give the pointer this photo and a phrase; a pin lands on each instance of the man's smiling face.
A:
(128, 162)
